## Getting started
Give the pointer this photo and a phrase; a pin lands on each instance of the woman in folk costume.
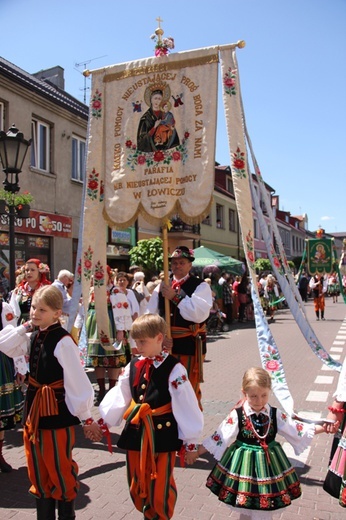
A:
(59, 396)
(103, 361)
(271, 293)
(35, 276)
(253, 474)
(319, 287)
(156, 398)
(125, 310)
(190, 303)
(11, 396)
(335, 482)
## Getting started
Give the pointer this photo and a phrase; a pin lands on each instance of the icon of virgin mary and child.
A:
(156, 129)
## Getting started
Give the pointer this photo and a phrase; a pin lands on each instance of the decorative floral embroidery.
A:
(87, 263)
(79, 271)
(276, 261)
(93, 185)
(265, 502)
(9, 316)
(241, 499)
(284, 416)
(250, 248)
(179, 381)
(229, 81)
(99, 275)
(273, 365)
(122, 304)
(299, 428)
(223, 494)
(136, 157)
(191, 447)
(104, 338)
(216, 438)
(102, 191)
(286, 499)
(238, 163)
(96, 105)
(230, 420)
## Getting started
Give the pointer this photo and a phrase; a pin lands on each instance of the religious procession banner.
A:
(320, 255)
(153, 134)
(151, 151)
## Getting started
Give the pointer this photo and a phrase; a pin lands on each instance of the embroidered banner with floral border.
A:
(151, 151)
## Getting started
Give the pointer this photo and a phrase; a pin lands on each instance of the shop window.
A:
(78, 159)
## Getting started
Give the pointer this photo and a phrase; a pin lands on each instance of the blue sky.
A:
(292, 72)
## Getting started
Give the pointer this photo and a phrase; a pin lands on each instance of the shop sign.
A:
(41, 223)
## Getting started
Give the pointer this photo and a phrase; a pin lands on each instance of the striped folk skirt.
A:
(245, 478)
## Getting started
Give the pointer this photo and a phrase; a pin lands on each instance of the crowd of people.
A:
(151, 376)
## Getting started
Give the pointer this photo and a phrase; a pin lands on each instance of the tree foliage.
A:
(263, 264)
(148, 254)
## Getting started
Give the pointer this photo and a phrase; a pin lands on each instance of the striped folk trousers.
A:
(51, 468)
(161, 492)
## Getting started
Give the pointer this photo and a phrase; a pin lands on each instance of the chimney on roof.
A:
(54, 75)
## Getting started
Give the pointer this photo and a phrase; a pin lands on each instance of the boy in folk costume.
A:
(161, 410)
(59, 396)
(318, 286)
(190, 303)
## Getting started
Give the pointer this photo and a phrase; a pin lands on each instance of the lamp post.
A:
(13, 149)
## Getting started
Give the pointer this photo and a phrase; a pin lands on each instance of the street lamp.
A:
(13, 149)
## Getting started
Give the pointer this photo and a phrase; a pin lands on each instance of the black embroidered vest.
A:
(156, 394)
(185, 346)
(46, 369)
(246, 433)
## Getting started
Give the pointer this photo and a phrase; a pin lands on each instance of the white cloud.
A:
(327, 218)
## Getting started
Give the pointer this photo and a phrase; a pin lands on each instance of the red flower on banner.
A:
(176, 156)
(158, 156)
(128, 143)
(141, 159)
(272, 365)
(9, 316)
(125, 305)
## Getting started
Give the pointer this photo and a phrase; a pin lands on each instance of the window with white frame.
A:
(40, 146)
(2, 116)
(231, 219)
(220, 216)
(78, 158)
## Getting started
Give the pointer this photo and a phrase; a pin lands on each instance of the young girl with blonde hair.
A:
(253, 473)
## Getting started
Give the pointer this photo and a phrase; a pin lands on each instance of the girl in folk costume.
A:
(35, 276)
(253, 473)
(335, 482)
(103, 361)
(125, 311)
(161, 410)
(59, 396)
(11, 396)
(333, 287)
(319, 287)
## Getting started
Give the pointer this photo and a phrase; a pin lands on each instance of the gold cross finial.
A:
(159, 21)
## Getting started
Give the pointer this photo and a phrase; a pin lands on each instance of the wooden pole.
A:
(166, 278)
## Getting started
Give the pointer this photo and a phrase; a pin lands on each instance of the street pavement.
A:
(103, 488)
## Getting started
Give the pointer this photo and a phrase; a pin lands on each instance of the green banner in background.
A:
(320, 255)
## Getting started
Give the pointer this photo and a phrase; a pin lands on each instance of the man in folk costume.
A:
(318, 286)
(190, 304)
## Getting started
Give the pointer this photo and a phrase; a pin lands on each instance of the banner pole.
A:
(166, 278)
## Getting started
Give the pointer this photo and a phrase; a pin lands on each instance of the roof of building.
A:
(44, 88)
